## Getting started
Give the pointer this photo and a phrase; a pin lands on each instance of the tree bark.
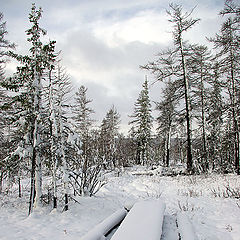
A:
(204, 155)
(234, 114)
(19, 187)
(187, 108)
(1, 180)
(32, 191)
(66, 202)
(168, 146)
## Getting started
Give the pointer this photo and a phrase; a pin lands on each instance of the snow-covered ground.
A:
(212, 218)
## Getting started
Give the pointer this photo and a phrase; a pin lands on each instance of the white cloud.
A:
(146, 27)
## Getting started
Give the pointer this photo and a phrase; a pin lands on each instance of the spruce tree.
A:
(108, 137)
(5, 106)
(28, 82)
(142, 122)
(82, 117)
(5, 45)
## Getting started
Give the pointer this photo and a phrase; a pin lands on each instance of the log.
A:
(144, 221)
(99, 231)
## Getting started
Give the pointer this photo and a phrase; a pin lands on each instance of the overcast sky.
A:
(103, 42)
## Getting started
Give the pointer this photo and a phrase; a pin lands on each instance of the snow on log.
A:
(98, 232)
(144, 221)
(185, 227)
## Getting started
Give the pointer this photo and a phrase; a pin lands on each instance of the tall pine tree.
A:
(142, 122)
(5, 105)
(108, 137)
(28, 83)
(173, 64)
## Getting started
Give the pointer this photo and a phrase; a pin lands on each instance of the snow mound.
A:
(144, 221)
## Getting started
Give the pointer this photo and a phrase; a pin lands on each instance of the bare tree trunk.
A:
(1, 180)
(38, 182)
(203, 118)
(234, 115)
(168, 146)
(64, 163)
(32, 191)
(236, 138)
(187, 108)
(66, 202)
(36, 137)
(54, 189)
(19, 187)
(138, 154)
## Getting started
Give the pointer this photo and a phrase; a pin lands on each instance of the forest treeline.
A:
(49, 132)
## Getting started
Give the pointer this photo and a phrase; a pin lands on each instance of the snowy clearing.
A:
(212, 218)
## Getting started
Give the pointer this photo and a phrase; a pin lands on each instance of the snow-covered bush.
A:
(190, 192)
(186, 206)
(228, 191)
(87, 181)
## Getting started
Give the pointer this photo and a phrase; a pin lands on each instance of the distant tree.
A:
(5, 45)
(215, 109)
(199, 65)
(132, 146)
(82, 117)
(142, 122)
(167, 118)
(86, 173)
(108, 137)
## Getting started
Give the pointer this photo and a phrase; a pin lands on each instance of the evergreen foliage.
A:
(108, 137)
(142, 122)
